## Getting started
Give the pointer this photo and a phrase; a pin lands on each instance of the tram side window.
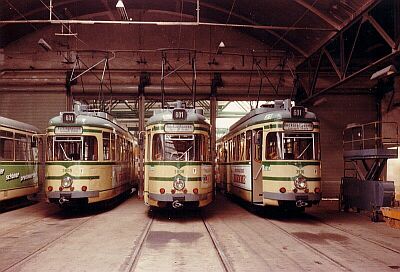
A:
(106, 146)
(21, 147)
(6, 146)
(90, 152)
(248, 145)
(272, 148)
(158, 150)
(241, 142)
(258, 145)
(113, 146)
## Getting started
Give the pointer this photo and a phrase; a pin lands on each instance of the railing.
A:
(375, 135)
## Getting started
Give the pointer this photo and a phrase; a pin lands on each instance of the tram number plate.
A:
(302, 197)
(65, 195)
(180, 198)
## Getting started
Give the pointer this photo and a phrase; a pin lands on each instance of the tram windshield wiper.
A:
(304, 151)
(65, 154)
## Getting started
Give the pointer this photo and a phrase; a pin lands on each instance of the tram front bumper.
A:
(75, 194)
(292, 196)
(180, 197)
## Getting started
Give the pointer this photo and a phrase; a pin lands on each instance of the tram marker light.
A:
(72, 188)
(196, 191)
(306, 190)
(317, 190)
(294, 190)
(172, 191)
(282, 190)
(84, 188)
(60, 188)
(185, 191)
(162, 191)
(50, 188)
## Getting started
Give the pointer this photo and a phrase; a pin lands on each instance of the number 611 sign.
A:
(179, 114)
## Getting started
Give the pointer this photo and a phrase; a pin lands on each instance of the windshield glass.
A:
(292, 146)
(179, 147)
(72, 148)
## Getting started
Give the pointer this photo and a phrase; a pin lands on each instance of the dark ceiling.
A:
(297, 26)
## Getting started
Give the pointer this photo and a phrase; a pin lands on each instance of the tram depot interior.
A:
(92, 91)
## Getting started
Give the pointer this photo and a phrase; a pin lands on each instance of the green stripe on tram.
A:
(294, 163)
(289, 178)
(74, 177)
(177, 164)
(71, 163)
(18, 163)
(173, 178)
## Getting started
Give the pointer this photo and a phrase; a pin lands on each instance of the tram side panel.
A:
(18, 159)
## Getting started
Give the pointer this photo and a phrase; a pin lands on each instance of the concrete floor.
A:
(42, 237)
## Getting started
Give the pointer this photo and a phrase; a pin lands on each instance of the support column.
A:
(213, 121)
(141, 110)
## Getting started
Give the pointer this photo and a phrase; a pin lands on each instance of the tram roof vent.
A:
(79, 107)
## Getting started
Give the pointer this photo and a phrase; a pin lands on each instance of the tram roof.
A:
(14, 124)
(95, 119)
(280, 110)
(166, 116)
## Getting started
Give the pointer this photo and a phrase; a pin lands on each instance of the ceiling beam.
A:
(319, 13)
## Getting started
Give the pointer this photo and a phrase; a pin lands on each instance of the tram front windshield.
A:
(292, 146)
(60, 148)
(179, 147)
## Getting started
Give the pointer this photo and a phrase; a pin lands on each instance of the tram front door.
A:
(256, 166)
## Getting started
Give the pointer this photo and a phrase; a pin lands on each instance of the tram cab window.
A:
(180, 147)
(292, 146)
(6, 146)
(72, 148)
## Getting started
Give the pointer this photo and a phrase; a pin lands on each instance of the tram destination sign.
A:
(298, 126)
(68, 117)
(68, 130)
(179, 128)
(179, 114)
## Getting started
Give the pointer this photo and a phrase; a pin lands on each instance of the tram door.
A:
(256, 166)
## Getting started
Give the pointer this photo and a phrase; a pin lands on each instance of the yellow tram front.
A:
(271, 156)
(177, 160)
(89, 158)
(291, 169)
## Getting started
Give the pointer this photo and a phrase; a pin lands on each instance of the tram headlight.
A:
(300, 183)
(179, 184)
(66, 182)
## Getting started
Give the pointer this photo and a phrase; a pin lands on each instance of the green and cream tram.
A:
(177, 159)
(90, 158)
(18, 159)
(271, 156)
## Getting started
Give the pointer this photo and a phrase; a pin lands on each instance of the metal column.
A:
(141, 109)
(213, 120)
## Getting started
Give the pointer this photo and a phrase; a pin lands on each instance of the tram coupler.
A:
(62, 200)
(176, 204)
(301, 203)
